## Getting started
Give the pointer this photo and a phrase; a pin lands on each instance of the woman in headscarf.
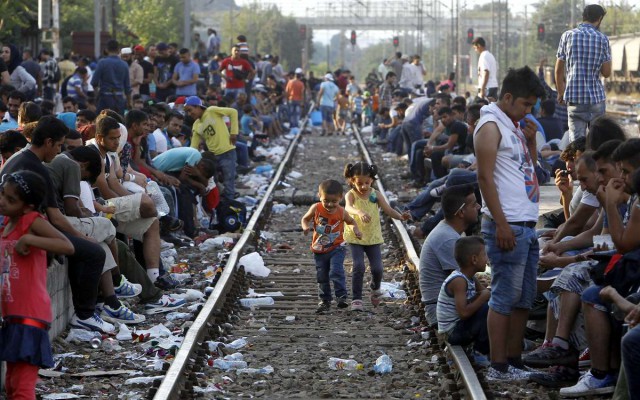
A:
(19, 77)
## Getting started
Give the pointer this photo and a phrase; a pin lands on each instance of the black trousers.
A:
(85, 269)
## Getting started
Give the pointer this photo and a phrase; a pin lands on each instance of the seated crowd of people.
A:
(127, 181)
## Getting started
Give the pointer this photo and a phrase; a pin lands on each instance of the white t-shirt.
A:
(161, 141)
(514, 173)
(487, 61)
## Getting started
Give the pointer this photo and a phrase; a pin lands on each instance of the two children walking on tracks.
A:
(362, 231)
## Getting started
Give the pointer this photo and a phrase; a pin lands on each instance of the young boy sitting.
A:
(462, 304)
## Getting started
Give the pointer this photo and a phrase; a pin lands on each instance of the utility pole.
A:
(522, 37)
(186, 40)
(97, 27)
(55, 28)
(573, 13)
(506, 37)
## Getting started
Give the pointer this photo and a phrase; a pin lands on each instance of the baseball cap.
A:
(194, 101)
(126, 50)
(162, 46)
(298, 70)
(328, 77)
(180, 100)
(139, 49)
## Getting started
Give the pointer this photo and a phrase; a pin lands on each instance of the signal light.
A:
(353, 38)
(541, 32)
(303, 32)
(396, 41)
(469, 35)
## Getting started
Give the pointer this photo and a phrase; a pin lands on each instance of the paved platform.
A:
(549, 198)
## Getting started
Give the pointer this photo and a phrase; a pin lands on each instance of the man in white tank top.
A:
(507, 157)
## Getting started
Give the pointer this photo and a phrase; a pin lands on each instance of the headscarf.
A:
(15, 60)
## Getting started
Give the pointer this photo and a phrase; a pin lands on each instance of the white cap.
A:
(298, 70)
(126, 50)
(328, 77)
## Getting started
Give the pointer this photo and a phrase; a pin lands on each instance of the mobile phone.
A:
(564, 173)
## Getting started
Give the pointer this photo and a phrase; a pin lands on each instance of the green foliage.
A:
(152, 20)
(15, 16)
(267, 32)
(75, 16)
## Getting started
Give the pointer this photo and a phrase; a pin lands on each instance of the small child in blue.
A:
(462, 303)
(327, 220)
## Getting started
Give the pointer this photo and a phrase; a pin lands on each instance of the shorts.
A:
(327, 113)
(343, 114)
(127, 214)
(102, 230)
(513, 273)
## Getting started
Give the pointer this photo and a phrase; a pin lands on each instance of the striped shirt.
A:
(446, 311)
(584, 50)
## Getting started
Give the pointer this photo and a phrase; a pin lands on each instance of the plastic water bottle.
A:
(228, 365)
(153, 190)
(264, 170)
(341, 363)
(384, 365)
(237, 344)
(257, 301)
(234, 357)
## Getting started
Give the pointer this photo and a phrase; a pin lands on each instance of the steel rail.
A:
(173, 381)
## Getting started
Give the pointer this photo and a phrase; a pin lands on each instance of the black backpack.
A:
(232, 216)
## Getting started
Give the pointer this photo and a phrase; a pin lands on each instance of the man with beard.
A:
(147, 71)
(163, 66)
(136, 73)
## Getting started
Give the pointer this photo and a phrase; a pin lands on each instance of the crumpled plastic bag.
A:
(254, 264)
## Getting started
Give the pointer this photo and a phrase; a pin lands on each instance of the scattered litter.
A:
(296, 271)
(189, 295)
(280, 208)
(156, 331)
(392, 290)
(238, 343)
(290, 318)
(215, 243)
(254, 264)
(257, 301)
(255, 371)
(124, 333)
(82, 335)
(294, 175)
(173, 316)
(57, 396)
(252, 293)
(263, 329)
(143, 379)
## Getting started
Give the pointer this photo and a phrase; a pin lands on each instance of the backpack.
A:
(621, 271)
(231, 215)
(63, 86)
(57, 75)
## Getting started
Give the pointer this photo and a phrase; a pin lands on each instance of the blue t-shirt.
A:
(74, 81)
(174, 159)
(245, 124)
(531, 117)
(151, 143)
(418, 112)
(329, 93)
(185, 72)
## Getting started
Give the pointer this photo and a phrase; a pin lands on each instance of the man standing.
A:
(235, 70)
(50, 74)
(186, 75)
(163, 66)
(583, 54)
(210, 129)
(147, 72)
(136, 74)
(213, 43)
(33, 68)
(487, 70)
(295, 97)
(112, 78)
(327, 100)
(506, 158)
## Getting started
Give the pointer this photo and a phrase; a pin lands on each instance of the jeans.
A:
(136, 273)
(234, 92)
(327, 114)
(423, 203)
(85, 269)
(513, 283)
(410, 134)
(294, 113)
(226, 162)
(375, 261)
(631, 361)
(112, 102)
(395, 140)
(242, 153)
(330, 268)
(472, 330)
(580, 115)
(416, 163)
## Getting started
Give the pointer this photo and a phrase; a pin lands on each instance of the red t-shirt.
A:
(240, 65)
(24, 278)
(327, 229)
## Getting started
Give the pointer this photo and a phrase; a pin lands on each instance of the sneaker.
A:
(342, 302)
(165, 304)
(127, 289)
(589, 385)
(356, 305)
(481, 359)
(323, 307)
(166, 282)
(93, 323)
(171, 224)
(512, 374)
(556, 377)
(376, 297)
(549, 355)
(121, 315)
(437, 192)
(585, 359)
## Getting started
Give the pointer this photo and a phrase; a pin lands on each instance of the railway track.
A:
(288, 345)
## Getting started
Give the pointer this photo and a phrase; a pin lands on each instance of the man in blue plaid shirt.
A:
(583, 54)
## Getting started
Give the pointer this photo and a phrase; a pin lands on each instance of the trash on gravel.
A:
(337, 364)
(257, 301)
(392, 290)
(81, 335)
(189, 295)
(173, 316)
(263, 329)
(143, 379)
(296, 271)
(383, 365)
(180, 277)
(294, 175)
(237, 356)
(255, 371)
(252, 293)
(156, 331)
(58, 396)
(280, 208)
(214, 243)
(228, 365)
(238, 343)
(290, 318)
(254, 264)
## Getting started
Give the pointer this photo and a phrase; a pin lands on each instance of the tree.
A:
(15, 16)
(152, 20)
